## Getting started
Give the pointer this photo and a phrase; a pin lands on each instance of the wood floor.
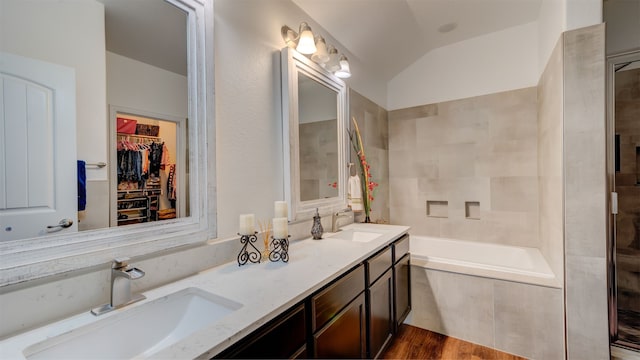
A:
(416, 343)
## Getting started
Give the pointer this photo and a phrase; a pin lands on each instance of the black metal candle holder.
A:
(280, 249)
(248, 253)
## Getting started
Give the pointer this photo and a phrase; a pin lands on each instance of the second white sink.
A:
(356, 235)
(138, 332)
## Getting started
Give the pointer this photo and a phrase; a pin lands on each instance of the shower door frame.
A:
(611, 63)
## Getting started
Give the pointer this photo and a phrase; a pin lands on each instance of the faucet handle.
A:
(120, 262)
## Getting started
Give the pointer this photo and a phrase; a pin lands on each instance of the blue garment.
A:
(82, 185)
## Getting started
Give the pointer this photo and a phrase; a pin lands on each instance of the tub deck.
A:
(511, 263)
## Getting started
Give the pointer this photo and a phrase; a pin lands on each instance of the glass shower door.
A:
(626, 183)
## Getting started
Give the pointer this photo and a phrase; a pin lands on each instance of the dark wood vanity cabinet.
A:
(380, 314)
(401, 281)
(354, 316)
(338, 315)
(344, 337)
(380, 324)
(282, 338)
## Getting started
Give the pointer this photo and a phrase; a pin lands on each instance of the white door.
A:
(38, 183)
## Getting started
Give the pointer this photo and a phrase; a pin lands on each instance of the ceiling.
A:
(150, 31)
(389, 35)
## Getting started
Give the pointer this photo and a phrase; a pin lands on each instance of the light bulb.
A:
(344, 72)
(320, 56)
(334, 60)
(306, 44)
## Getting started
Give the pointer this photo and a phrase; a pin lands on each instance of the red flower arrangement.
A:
(368, 185)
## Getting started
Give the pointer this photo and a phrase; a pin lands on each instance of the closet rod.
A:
(145, 137)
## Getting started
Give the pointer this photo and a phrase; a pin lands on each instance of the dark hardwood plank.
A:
(416, 343)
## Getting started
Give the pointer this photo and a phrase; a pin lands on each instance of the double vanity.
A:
(341, 296)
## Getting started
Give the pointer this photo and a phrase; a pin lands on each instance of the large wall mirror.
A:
(104, 114)
(315, 133)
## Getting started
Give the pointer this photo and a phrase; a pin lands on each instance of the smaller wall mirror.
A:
(315, 137)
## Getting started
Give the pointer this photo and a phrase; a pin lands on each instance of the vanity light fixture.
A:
(320, 56)
(325, 55)
(334, 60)
(302, 40)
(344, 71)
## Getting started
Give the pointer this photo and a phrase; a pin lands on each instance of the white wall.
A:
(623, 25)
(583, 13)
(550, 26)
(70, 33)
(558, 16)
(248, 104)
(138, 85)
(500, 61)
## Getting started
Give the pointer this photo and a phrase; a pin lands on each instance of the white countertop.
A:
(265, 290)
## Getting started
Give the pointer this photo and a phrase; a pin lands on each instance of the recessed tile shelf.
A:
(437, 209)
(472, 210)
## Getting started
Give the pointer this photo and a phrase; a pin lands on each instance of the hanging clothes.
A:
(155, 158)
(171, 184)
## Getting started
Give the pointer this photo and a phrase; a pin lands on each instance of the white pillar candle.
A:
(281, 210)
(247, 224)
(280, 228)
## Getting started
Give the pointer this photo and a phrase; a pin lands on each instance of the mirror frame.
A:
(30, 259)
(294, 63)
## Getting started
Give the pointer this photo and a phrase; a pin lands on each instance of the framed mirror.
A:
(129, 82)
(314, 108)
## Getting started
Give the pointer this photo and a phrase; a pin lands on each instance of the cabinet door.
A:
(402, 287)
(283, 338)
(328, 302)
(381, 325)
(344, 336)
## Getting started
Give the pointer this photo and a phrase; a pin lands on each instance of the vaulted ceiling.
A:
(389, 35)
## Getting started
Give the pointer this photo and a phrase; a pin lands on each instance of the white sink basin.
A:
(356, 235)
(138, 332)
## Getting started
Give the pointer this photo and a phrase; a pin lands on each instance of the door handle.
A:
(63, 224)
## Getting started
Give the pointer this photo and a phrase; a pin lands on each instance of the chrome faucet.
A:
(336, 216)
(121, 275)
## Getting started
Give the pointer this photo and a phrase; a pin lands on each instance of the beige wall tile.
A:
(586, 289)
(518, 194)
(458, 152)
(414, 112)
(402, 134)
(550, 162)
(452, 304)
(585, 193)
(529, 320)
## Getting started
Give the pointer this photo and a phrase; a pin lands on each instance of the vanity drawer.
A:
(378, 264)
(282, 338)
(328, 302)
(400, 248)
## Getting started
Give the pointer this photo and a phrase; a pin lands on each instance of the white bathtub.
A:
(512, 263)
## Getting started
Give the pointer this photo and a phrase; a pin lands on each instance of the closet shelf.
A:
(130, 199)
(133, 218)
(132, 209)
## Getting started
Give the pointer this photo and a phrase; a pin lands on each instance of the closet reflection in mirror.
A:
(318, 142)
(146, 172)
(112, 48)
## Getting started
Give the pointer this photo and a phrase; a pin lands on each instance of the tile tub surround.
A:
(312, 265)
(476, 150)
(585, 195)
(521, 319)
